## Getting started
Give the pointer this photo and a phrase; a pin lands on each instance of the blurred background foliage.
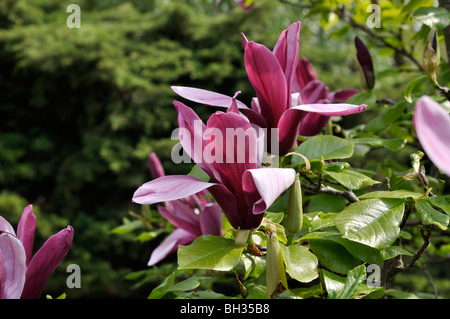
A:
(81, 109)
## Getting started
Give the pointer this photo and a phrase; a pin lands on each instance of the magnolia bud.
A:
(365, 65)
(275, 272)
(430, 58)
(294, 219)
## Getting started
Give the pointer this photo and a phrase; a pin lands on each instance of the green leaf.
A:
(352, 179)
(322, 220)
(300, 263)
(333, 283)
(354, 278)
(411, 86)
(432, 16)
(168, 285)
(323, 146)
(386, 118)
(391, 144)
(442, 202)
(430, 216)
(333, 255)
(391, 194)
(199, 173)
(209, 252)
(373, 222)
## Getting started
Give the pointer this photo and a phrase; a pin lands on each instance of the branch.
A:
(348, 194)
(349, 19)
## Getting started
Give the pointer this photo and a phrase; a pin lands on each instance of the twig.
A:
(348, 194)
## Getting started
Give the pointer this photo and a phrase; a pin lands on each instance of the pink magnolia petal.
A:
(314, 92)
(288, 127)
(211, 220)
(432, 125)
(25, 230)
(181, 216)
(13, 268)
(335, 109)
(312, 124)
(168, 188)
(191, 138)
(305, 73)
(269, 183)
(341, 96)
(45, 261)
(206, 97)
(268, 80)
(156, 168)
(5, 227)
(286, 51)
(233, 149)
(170, 245)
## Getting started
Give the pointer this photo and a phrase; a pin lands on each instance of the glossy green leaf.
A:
(443, 202)
(354, 278)
(209, 252)
(391, 144)
(323, 146)
(430, 216)
(373, 222)
(433, 16)
(391, 194)
(169, 285)
(352, 179)
(407, 94)
(300, 263)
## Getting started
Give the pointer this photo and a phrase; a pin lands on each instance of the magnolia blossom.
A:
(274, 76)
(192, 216)
(311, 90)
(432, 125)
(242, 188)
(22, 274)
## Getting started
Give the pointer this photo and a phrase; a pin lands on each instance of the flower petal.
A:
(168, 188)
(170, 245)
(45, 261)
(206, 97)
(268, 183)
(5, 227)
(156, 168)
(181, 216)
(13, 268)
(25, 230)
(305, 73)
(211, 220)
(335, 109)
(432, 125)
(312, 124)
(341, 96)
(235, 148)
(286, 51)
(268, 80)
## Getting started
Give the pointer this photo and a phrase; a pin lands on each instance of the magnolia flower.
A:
(365, 65)
(192, 216)
(311, 90)
(240, 186)
(432, 125)
(272, 75)
(23, 275)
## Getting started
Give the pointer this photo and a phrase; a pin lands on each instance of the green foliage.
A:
(81, 109)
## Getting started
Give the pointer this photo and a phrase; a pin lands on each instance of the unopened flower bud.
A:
(294, 219)
(275, 273)
(365, 65)
(430, 58)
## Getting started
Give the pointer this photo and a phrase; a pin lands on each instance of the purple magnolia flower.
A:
(274, 76)
(192, 216)
(365, 64)
(23, 275)
(432, 125)
(311, 90)
(232, 159)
